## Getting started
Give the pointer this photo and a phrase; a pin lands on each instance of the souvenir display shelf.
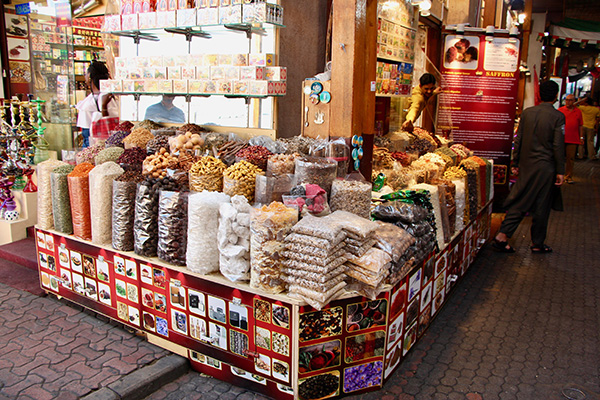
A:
(273, 344)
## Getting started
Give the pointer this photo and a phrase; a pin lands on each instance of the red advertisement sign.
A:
(477, 108)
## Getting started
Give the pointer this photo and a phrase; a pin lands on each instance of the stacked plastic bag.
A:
(234, 239)
(395, 241)
(370, 270)
(315, 257)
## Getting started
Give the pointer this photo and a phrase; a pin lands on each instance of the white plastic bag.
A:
(203, 221)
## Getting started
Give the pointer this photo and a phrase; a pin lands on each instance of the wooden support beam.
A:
(354, 57)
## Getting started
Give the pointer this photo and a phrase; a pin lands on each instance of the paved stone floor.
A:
(518, 326)
(50, 350)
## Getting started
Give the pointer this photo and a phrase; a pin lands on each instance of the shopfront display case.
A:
(273, 344)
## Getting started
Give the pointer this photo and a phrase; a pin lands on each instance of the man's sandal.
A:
(541, 249)
(502, 247)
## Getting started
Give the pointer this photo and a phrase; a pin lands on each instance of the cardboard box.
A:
(186, 17)
(137, 6)
(224, 86)
(202, 72)
(276, 73)
(160, 73)
(148, 73)
(208, 16)
(209, 86)
(128, 86)
(211, 60)
(165, 86)
(231, 72)
(267, 88)
(217, 72)
(241, 87)
(169, 61)
(262, 59)
(135, 73)
(239, 60)
(252, 73)
(105, 86)
(139, 86)
(180, 86)
(116, 86)
(147, 20)
(174, 72)
(188, 72)
(151, 86)
(230, 14)
(112, 23)
(166, 19)
(195, 87)
(224, 59)
(130, 22)
(162, 5)
(155, 61)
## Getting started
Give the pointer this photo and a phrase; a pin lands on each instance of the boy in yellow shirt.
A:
(591, 116)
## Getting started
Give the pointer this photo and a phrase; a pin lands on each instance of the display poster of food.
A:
(239, 336)
(478, 102)
(17, 47)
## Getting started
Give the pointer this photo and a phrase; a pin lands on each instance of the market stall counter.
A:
(274, 344)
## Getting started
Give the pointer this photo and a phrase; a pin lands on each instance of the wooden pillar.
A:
(525, 35)
(489, 13)
(354, 57)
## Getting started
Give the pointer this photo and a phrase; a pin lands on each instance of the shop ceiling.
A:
(559, 9)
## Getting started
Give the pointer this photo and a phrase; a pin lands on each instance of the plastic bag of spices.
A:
(352, 194)
(101, 182)
(268, 226)
(203, 220)
(123, 210)
(172, 227)
(145, 228)
(339, 151)
(61, 204)
(79, 193)
(316, 170)
(45, 219)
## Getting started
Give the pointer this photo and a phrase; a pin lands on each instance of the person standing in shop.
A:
(165, 111)
(96, 105)
(420, 97)
(540, 159)
(591, 116)
(573, 133)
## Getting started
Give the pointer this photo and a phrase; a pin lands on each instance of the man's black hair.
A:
(548, 91)
(426, 79)
(97, 71)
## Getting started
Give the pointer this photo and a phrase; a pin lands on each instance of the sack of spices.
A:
(79, 193)
(269, 225)
(61, 204)
(123, 210)
(45, 219)
(172, 226)
(101, 182)
(203, 220)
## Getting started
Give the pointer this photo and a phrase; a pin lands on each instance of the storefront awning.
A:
(576, 30)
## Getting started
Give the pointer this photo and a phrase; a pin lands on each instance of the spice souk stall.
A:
(264, 262)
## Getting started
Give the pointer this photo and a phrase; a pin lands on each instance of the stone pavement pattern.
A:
(51, 350)
(518, 326)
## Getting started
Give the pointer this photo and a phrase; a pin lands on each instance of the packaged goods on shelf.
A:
(203, 221)
(45, 218)
(61, 204)
(172, 227)
(269, 225)
(123, 209)
(234, 239)
(101, 183)
(79, 193)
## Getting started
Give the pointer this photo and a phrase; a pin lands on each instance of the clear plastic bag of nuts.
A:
(352, 195)
(269, 225)
(240, 179)
(172, 227)
(123, 213)
(207, 174)
(316, 170)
